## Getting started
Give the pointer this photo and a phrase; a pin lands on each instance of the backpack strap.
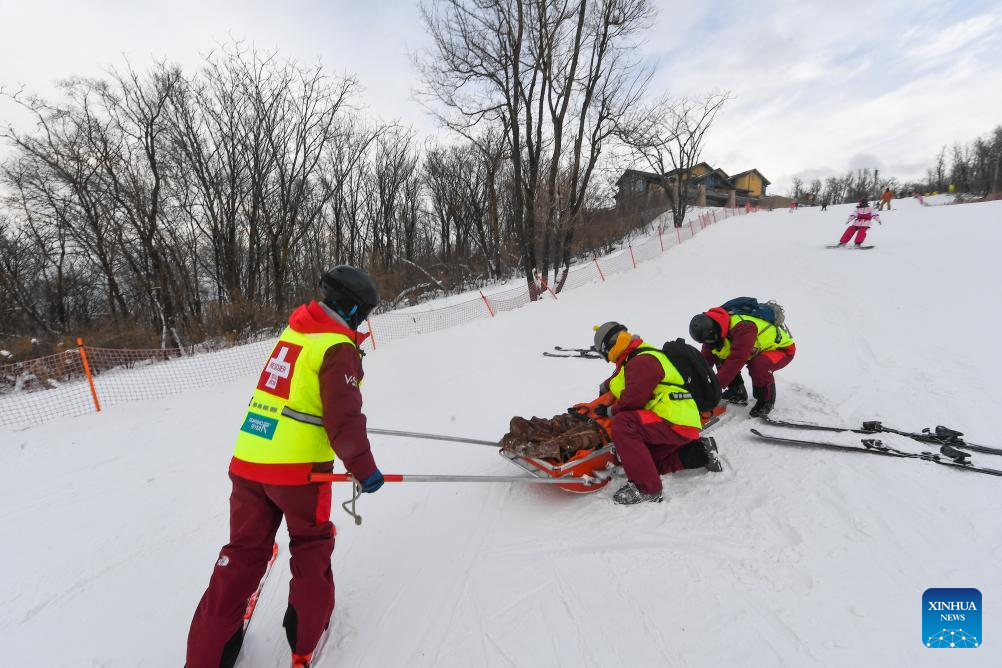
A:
(677, 396)
(640, 349)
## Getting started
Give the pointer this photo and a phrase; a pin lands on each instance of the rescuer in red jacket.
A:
(306, 409)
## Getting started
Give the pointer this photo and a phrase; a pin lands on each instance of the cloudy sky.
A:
(819, 86)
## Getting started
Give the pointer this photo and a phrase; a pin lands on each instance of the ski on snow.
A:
(583, 353)
(851, 247)
(949, 456)
(252, 601)
(315, 655)
(939, 436)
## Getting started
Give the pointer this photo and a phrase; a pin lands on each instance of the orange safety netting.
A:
(59, 385)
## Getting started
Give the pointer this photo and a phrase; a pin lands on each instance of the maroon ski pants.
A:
(762, 366)
(648, 447)
(256, 511)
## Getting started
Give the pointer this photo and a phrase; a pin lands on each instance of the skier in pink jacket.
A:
(859, 222)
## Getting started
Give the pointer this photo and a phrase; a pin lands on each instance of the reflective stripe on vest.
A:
(284, 423)
(765, 340)
(671, 401)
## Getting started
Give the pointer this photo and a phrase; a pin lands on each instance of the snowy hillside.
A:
(113, 521)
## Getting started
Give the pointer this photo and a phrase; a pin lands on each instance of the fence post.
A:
(661, 239)
(600, 274)
(489, 309)
(692, 231)
(90, 377)
(371, 335)
(632, 258)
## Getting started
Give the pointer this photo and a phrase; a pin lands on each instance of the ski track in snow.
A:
(787, 558)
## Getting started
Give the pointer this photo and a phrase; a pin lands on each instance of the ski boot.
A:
(628, 495)
(735, 393)
(765, 400)
(709, 445)
(301, 660)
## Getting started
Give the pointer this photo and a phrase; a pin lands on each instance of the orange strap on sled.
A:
(586, 413)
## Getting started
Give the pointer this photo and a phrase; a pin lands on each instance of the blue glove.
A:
(372, 483)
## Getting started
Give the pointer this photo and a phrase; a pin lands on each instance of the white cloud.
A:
(815, 84)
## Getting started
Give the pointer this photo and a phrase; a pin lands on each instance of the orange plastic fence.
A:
(61, 385)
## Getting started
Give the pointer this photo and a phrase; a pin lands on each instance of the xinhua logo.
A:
(951, 618)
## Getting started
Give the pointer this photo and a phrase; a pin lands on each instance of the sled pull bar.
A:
(400, 477)
(432, 437)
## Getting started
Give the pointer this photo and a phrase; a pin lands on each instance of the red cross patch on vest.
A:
(276, 378)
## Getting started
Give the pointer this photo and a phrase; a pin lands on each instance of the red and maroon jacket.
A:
(742, 336)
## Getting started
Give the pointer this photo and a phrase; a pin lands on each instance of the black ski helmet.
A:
(702, 328)
(350, 292)
(863, 203)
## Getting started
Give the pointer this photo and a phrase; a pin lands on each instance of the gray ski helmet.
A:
(703, 329)
(350, 292)
(605, 336)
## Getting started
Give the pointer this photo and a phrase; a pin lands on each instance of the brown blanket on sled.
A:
(559, 437)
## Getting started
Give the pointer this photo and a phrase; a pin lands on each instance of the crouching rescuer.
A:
(655, 420)
(306, 406)
(733, 338)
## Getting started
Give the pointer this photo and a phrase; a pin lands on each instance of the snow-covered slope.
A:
(112, 521)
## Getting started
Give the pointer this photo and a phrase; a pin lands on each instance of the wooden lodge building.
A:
(703, 186)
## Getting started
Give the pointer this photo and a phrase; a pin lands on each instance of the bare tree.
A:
(668, 135)
(797, 188)
(550, 78)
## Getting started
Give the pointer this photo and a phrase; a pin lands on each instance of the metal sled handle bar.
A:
(400, 477)
(432, 437)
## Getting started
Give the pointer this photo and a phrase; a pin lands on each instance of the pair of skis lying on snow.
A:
(952, 447)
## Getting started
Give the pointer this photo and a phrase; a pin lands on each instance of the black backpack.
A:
(700, 379)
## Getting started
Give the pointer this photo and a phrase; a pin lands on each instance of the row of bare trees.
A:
(973, 168)
(849, 187)
(189, 204)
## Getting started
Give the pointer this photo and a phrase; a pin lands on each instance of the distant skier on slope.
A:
(731, 341)
(307, 398)
(885, 199)
(655, 422)
(859, 222)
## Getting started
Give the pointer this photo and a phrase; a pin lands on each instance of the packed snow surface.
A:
(795, 558)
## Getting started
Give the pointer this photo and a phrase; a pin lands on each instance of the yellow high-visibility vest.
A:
(765, 340)
(284, 422)
(671, 401)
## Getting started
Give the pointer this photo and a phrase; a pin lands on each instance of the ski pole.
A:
(432, 437)
(401, 477)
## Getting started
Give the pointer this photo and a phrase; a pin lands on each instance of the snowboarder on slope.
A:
(654, 429)
(306, 405)
(733, 341)
(859, 222)
(885, 199)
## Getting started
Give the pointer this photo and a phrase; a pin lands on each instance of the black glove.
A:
(372, 483)
(603, 411)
